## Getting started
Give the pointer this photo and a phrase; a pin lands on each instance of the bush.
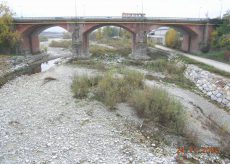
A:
(90, 64)
(113, 89)
(43, 38)
(172, 39)
(82, 85)
(163, 65)
(158, 106)
(152, 103)
(61, 44)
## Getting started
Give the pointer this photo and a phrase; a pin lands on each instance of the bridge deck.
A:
(107, 19)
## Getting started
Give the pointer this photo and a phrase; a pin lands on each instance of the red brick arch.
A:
(30, 32)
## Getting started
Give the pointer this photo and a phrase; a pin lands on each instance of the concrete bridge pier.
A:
(139, 49)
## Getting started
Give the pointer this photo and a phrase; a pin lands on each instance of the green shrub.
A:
(158, 106)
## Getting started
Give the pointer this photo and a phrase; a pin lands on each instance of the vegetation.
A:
(218, 55)
(150, 42)
(172, 39)
(112, 36)
(110, 32)
(152, 103)
(90, 64)
(9, 39)
(99, 51)
(61, 44)
(155, 104)
(43, 38)
(81, 86)
(221, 39)
(173, 69)
(66, 35)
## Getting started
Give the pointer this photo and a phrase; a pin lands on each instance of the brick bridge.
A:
(195, 31)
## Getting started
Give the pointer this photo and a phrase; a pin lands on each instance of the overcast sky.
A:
(152, 8)
(155, 8)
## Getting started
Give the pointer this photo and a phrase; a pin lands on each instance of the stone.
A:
(219, 100)
(225, 101)
(228, 98)
(218, 95)
(213, 97)
(200, 88)
(228, 105)
(209, 93)
(215, 92)
(204, 85)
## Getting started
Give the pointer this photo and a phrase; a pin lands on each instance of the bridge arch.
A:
(30, 35)
(193, 35)
(91, 27)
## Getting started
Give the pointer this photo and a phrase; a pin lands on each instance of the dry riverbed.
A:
(41, 122)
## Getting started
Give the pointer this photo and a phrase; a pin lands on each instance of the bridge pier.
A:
(80, 43)
(139, 49)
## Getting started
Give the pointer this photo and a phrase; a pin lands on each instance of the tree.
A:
(99, 35)
(220, 37)
(172, 39)
(9, 39)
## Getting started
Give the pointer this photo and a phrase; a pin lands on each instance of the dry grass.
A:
(156, 105)
(152, 103)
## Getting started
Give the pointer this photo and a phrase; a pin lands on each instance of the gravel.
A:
(45, 124)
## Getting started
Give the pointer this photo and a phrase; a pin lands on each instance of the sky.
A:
(152, 8)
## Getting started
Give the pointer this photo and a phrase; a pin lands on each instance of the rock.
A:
(213, 97)
(228, 105)
(204, 85)
(209, 93)
(218, 95)
(225, 101)
(219, 100)
(215, 92)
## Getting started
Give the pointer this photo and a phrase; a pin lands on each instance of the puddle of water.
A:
(47, 65)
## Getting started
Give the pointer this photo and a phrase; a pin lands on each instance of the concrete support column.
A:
(139, 50)
(79, 42)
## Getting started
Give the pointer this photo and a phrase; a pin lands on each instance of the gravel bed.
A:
(43, 123)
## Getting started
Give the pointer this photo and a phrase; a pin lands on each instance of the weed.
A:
(61, 44)
(156, 105)
(82, 85)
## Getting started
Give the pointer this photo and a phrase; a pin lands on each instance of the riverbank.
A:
(14, 66)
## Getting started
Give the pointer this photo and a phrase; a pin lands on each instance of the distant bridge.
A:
(196, 31)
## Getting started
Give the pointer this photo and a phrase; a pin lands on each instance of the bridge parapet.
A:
(18, 20)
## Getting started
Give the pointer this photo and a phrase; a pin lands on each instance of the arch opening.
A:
(38, 38)
(108, 39)
(175, 37)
